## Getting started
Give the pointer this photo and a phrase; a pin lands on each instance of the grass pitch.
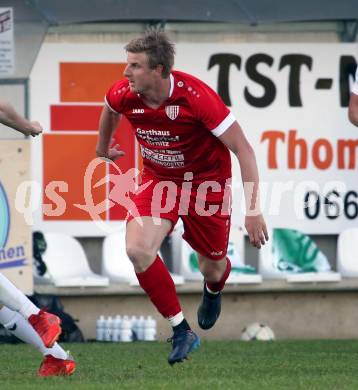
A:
(215, 365)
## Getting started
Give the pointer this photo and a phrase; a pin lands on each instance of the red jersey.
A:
(181, 135)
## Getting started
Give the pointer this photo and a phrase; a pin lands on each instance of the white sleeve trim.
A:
(224, 125)
(108, 105)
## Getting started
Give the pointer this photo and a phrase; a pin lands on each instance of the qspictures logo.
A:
(9, 256)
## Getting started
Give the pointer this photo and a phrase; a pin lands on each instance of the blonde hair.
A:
(157, 46)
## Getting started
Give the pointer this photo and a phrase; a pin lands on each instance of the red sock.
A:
(159, 286)
(218, 286)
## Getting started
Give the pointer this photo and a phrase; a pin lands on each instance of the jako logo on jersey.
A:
(172, 111)
(138, 111)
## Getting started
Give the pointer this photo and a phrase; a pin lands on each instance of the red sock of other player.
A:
(218, 286)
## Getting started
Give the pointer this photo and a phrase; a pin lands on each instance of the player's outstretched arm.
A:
(234, 138)
(353, 109)
(9, 117)
(108, 123)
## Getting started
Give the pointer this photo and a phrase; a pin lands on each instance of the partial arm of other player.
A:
(234, 138)
(9, 117)
(107, 125)
(353, 109)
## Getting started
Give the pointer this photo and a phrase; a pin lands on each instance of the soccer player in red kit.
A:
(185, 133)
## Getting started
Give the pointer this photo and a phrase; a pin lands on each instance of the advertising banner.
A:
(290, 99)
(15, 232)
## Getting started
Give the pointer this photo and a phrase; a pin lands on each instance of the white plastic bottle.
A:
(116, 328)
(126, 331)
(140, 327)
(150, 329)
(134, 328)
(100, 325)
(108, 329)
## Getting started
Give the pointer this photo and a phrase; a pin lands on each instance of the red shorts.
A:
(205, 210)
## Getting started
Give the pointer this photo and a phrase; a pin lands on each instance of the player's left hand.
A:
(257, 230)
